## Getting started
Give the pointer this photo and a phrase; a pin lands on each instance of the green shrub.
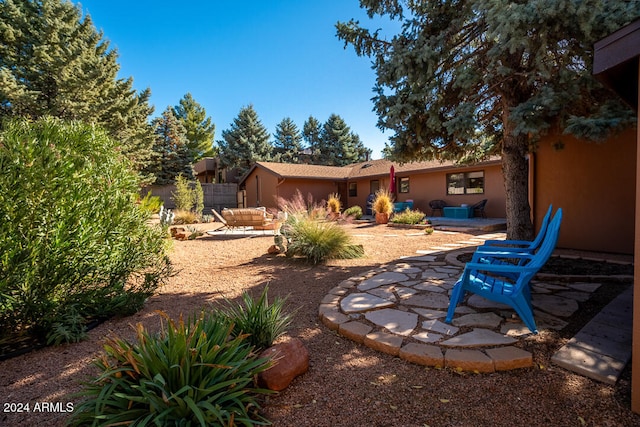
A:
(317, 240)
(150, 203)
(354, 211)
(193, 373)
(263, 322)
(188, 196)
(183, 197)
(408, 217)
(73, 244)
(198, 198)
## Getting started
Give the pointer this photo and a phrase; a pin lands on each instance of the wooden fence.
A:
(216, 196)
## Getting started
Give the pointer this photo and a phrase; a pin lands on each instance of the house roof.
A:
(615, 62)
(369, 169)
(290, 170)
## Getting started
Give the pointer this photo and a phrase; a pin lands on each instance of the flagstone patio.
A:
(399, 309)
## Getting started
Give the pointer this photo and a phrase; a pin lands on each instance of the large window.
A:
(374, 186)
(465, 183)
(403, 186)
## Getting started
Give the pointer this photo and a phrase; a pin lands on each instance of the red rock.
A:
(273, 249)
(291, 360)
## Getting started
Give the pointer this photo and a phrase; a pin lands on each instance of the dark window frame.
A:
(402, 187)
(470, 184)
(353, 189)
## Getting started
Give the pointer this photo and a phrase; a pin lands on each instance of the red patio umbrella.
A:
(392, 180)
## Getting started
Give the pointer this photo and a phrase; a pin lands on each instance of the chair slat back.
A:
(543, 229)
(549, 242)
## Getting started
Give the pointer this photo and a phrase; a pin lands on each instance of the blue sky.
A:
(281, 56)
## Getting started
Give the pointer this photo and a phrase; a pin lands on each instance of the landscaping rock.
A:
(291, 359)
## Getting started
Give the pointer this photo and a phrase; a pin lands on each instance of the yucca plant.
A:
(191, 374)
(262, 322)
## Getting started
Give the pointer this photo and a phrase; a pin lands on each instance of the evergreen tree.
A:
(171, 153)
(485, 76)
(311, 134)
(246, 142)
(54, 63)
(287, 143)
(200, 129)
(338, 146)
(361, 153)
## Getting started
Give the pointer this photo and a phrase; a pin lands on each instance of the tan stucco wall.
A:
(594, 184)
(271, 188)
(425, 187)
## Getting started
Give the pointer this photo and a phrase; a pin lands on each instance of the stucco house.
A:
(616, 63)
(421, 182)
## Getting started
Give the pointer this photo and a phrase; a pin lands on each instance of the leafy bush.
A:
(183, 196)
(354, 211)
(261, 321)
(188, 196)
(409, 216)
(193, 373)
(150, 203)
(73, 244)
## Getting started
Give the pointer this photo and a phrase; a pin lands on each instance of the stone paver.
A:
(399, 309)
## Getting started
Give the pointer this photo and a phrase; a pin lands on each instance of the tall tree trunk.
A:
(515, 170)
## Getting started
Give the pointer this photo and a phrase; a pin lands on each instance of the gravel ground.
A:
(347, 384)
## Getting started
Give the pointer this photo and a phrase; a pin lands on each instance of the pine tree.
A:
(287, 143)
(336, 146)
(311, 134)
(54, 63)
(465, 77)
(171, 154)
(246, 142)
(200, 129)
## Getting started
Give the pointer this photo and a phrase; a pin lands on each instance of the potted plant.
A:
(334, 206)
(382, 206)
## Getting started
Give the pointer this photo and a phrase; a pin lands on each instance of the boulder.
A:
(273, 249)
(290, 358)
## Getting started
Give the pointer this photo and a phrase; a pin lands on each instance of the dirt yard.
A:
(347, 384)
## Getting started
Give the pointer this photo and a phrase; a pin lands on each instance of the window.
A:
(353, 189)
(404, 185)
(465, 183)
(374, 186)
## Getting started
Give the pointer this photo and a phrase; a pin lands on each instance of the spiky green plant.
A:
(261, 321)
(191, 374)
(318, 241)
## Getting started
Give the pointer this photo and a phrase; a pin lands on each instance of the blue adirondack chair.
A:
(519, 245)
(504, 282)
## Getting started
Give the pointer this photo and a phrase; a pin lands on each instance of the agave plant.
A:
(192, 373)
(262, 322)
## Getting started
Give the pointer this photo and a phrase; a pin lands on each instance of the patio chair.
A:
(437, 205)
(478, 208)
(504, 282)
(519, 245)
